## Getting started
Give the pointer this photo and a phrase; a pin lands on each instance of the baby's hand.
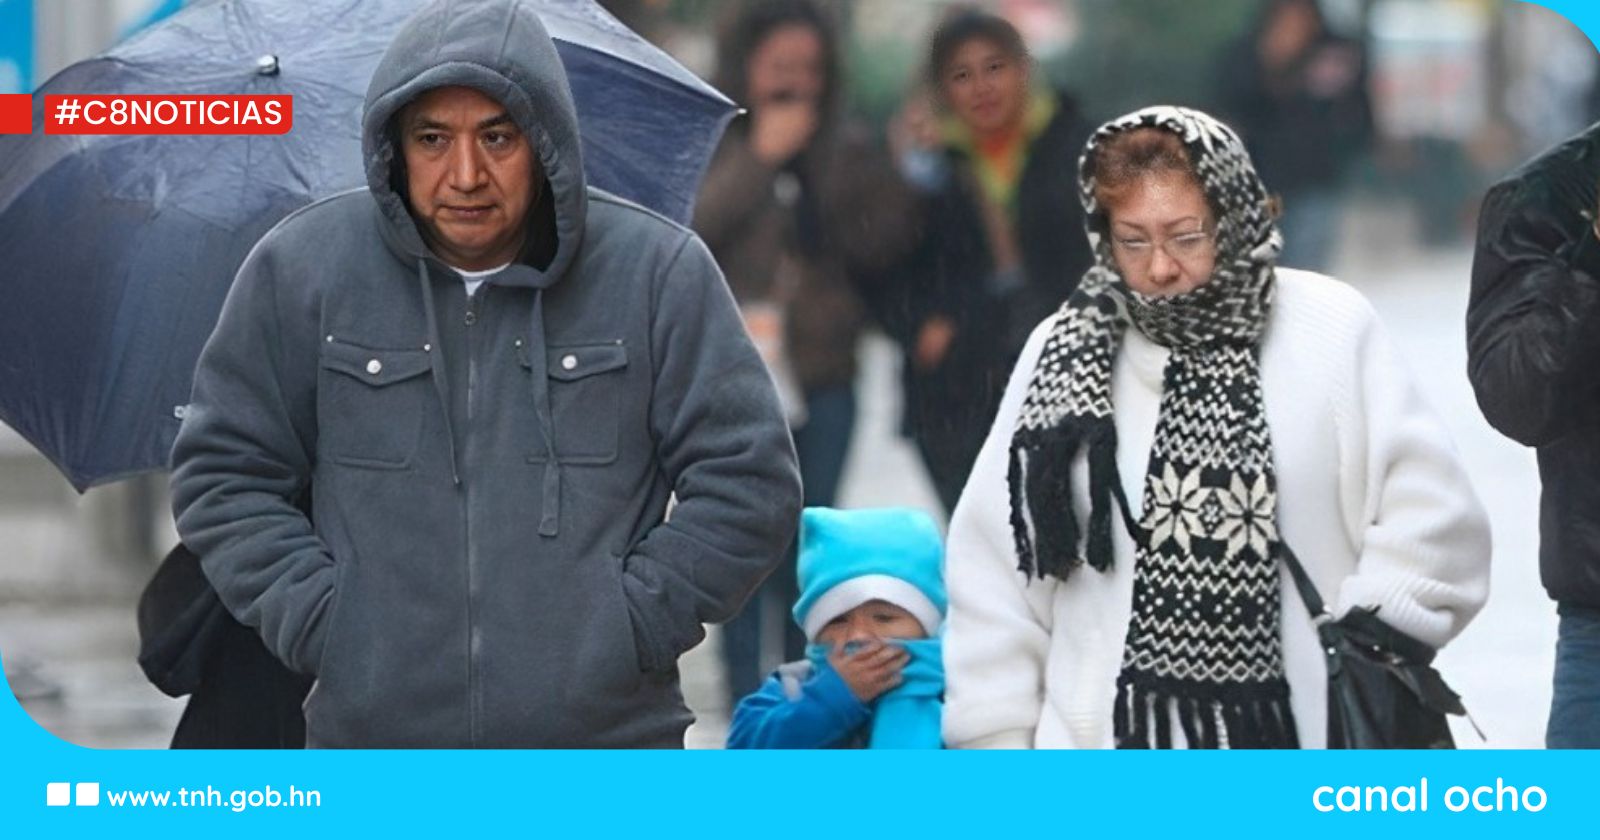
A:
(871, 670)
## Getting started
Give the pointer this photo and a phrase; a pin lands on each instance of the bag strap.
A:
(1308, 590)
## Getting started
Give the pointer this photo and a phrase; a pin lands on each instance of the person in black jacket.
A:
(1533, 343)
(1003, 244)
(1297, 93)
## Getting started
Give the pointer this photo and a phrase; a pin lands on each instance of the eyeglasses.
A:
(1184, 247)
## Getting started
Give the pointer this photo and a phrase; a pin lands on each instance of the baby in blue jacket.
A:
(872, 600)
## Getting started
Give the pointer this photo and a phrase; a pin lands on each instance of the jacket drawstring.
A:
(436, 365)
(538, 355)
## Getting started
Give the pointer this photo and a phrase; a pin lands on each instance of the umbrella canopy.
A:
(116, 252)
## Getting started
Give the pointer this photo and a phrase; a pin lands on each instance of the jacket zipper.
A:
(474, 640)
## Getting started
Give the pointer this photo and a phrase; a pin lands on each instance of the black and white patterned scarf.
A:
(1203, 648)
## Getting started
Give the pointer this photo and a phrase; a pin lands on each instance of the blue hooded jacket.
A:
(847, 558)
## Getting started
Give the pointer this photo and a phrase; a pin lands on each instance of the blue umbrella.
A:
(116, 251)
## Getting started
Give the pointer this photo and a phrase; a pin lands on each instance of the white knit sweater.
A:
(1370, 497)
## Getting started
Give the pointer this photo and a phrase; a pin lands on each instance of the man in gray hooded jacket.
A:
(489, 378)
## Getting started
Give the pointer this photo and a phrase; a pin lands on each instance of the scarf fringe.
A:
(1044, 524)
(1256, 716)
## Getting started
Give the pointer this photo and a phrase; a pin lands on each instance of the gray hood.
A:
(468, 43)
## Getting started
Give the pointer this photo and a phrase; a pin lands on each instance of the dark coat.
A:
(1299, 137)
(240, 695)
(949, 408)
(1533, 343)
(837, 216)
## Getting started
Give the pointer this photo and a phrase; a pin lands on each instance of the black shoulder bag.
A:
(1382, 691)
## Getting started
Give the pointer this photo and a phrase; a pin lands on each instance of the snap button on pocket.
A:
(370, 404)
(585, 392)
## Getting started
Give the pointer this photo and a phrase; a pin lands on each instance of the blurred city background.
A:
(1460, 91)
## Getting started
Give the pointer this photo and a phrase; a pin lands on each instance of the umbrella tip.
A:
(267, 65)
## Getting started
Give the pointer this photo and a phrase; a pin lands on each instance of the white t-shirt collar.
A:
(474, 279)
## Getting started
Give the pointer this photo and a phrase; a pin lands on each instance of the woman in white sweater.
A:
(1113, 565)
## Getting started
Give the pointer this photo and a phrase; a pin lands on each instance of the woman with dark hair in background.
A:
(804, 215)
(995, 261)
(1297, 92)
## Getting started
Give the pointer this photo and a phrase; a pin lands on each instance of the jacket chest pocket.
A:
(585, 382)
(370, 404)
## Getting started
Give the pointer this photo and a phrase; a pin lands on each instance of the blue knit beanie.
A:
(850, 557)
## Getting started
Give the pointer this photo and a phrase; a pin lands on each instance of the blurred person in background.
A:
(805, 214)
(995, 170)
(1297, 93)
(1078, 620)
(1533, 345)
